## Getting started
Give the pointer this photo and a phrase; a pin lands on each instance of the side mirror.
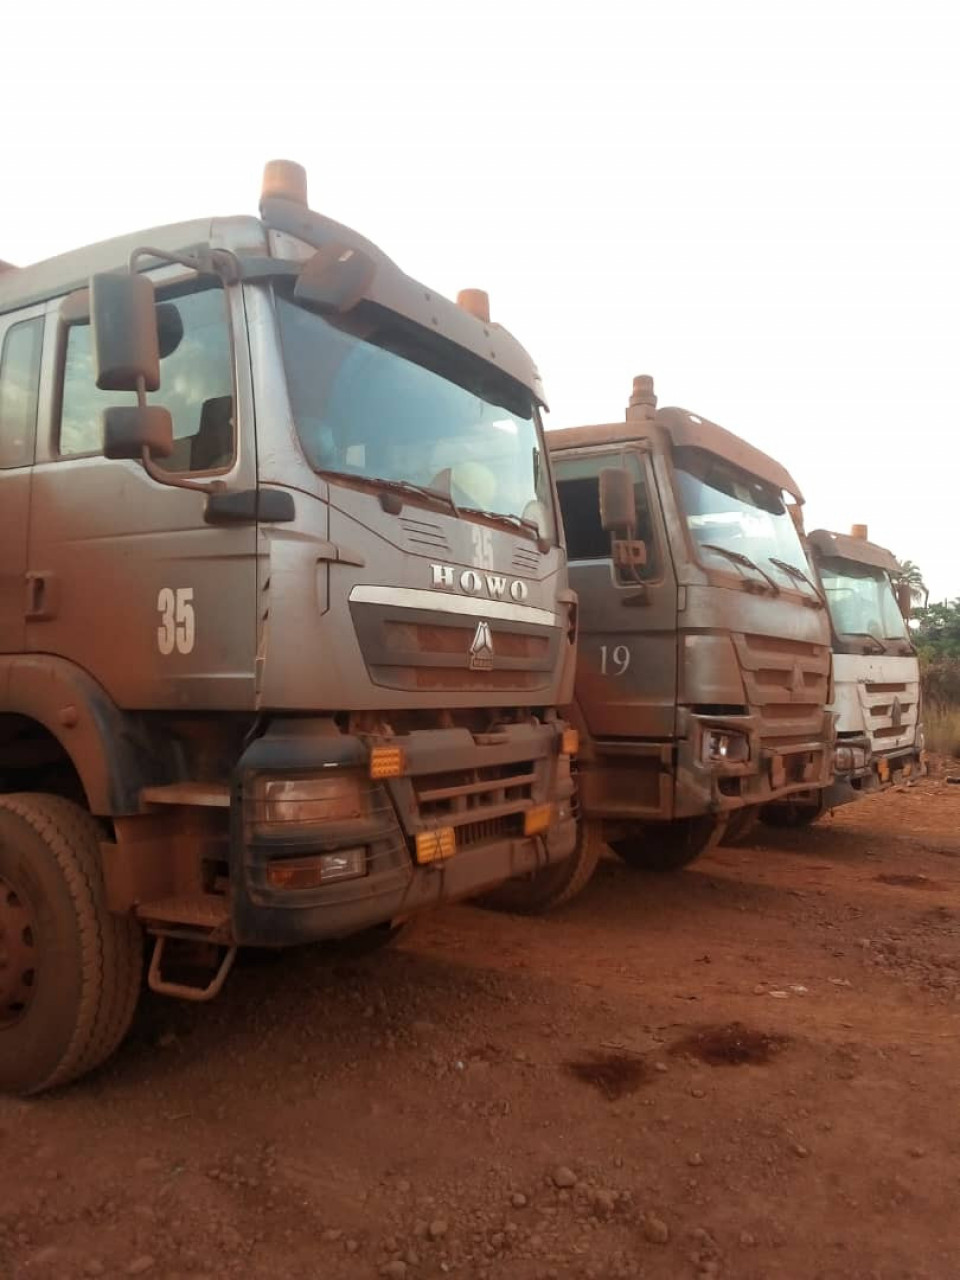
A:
(618, 505)
(905, 599)
(126, 347)
(336, 278)
(129, 429)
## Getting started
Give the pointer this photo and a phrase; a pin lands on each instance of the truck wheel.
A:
(668, 846)
(790, 814)
(541, 891)
(69, 970)
(741, 823)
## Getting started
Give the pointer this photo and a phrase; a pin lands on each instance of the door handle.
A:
(43, 596)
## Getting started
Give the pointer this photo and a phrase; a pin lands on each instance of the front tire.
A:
(544, 890)
(669, 846)
(790, 814)
(69, 969)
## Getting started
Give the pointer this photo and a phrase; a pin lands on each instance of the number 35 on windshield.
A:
(615, 661)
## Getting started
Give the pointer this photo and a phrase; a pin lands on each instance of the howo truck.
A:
(876, 674)
(284, 615)
(703, 671)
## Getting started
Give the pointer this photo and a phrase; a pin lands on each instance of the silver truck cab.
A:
(703, 667)
(284, 615)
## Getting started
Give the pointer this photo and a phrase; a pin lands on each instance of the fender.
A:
(114, 753)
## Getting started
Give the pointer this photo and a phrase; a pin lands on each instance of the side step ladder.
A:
(202, 921)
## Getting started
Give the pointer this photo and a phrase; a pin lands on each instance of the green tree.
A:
(938, 629)
(937, 637)
(911, 575)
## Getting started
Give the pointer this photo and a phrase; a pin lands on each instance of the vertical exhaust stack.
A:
(643, 401)
(476, 303)
(859, 531)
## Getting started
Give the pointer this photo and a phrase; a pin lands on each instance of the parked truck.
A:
(284, 615)
(703, 673)
(876, 675)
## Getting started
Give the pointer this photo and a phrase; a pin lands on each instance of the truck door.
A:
(21, 344)
(627, 656)
(128, 581)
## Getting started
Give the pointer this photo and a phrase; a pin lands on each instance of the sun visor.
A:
(840, 546)
(388, 287)
(690, 431)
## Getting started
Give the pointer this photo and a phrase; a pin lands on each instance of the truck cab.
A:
(876, 672)
(284, 614)
(703, 672)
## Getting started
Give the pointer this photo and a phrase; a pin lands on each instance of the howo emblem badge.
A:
(475, 583)
(896, 714)
(481, 650)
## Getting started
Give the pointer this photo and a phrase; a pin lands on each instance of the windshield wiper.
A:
(794, 572)
(866, 635)
(398, 486)
(518, 522)
(739, 558)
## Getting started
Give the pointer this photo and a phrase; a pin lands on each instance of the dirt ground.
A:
(747, 1070)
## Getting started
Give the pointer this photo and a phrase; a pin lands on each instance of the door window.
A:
(196, 384)
(19, 385)
(579, 490)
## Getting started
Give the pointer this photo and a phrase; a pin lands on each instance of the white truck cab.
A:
(876, 673)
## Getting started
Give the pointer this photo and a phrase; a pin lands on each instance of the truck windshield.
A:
(381, 404)
(727, 509)
(861, 601)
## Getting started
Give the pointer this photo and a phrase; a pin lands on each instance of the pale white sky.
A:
(758, 203)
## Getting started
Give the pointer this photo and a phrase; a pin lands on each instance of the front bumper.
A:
(772, 771)
(481, 786)
(642, 781)
(879, 774)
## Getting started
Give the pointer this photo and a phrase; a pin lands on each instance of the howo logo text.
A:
(475, 583)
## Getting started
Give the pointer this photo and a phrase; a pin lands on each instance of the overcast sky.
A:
(757, 203)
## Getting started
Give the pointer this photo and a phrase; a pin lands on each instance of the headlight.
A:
(325, 868)
(284, 803)
(846, 759)
(719, 744)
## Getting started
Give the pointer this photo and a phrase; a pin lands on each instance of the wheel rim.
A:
(18, 954)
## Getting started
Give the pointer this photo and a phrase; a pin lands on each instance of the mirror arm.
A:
(168, 478)
(173, 481)
(209, 262)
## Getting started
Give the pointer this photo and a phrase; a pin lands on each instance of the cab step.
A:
(203, 916)
(195, 991)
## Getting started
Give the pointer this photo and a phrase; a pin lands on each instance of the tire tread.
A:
(111, 946)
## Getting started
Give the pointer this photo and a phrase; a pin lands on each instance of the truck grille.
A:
(787, 681)
(890, 712)
(477, 801)
(493, 829)
(414, 650)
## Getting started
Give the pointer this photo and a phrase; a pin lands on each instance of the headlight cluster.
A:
(723, 745)
(288, 802)
(296, 806)
(846, 759)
